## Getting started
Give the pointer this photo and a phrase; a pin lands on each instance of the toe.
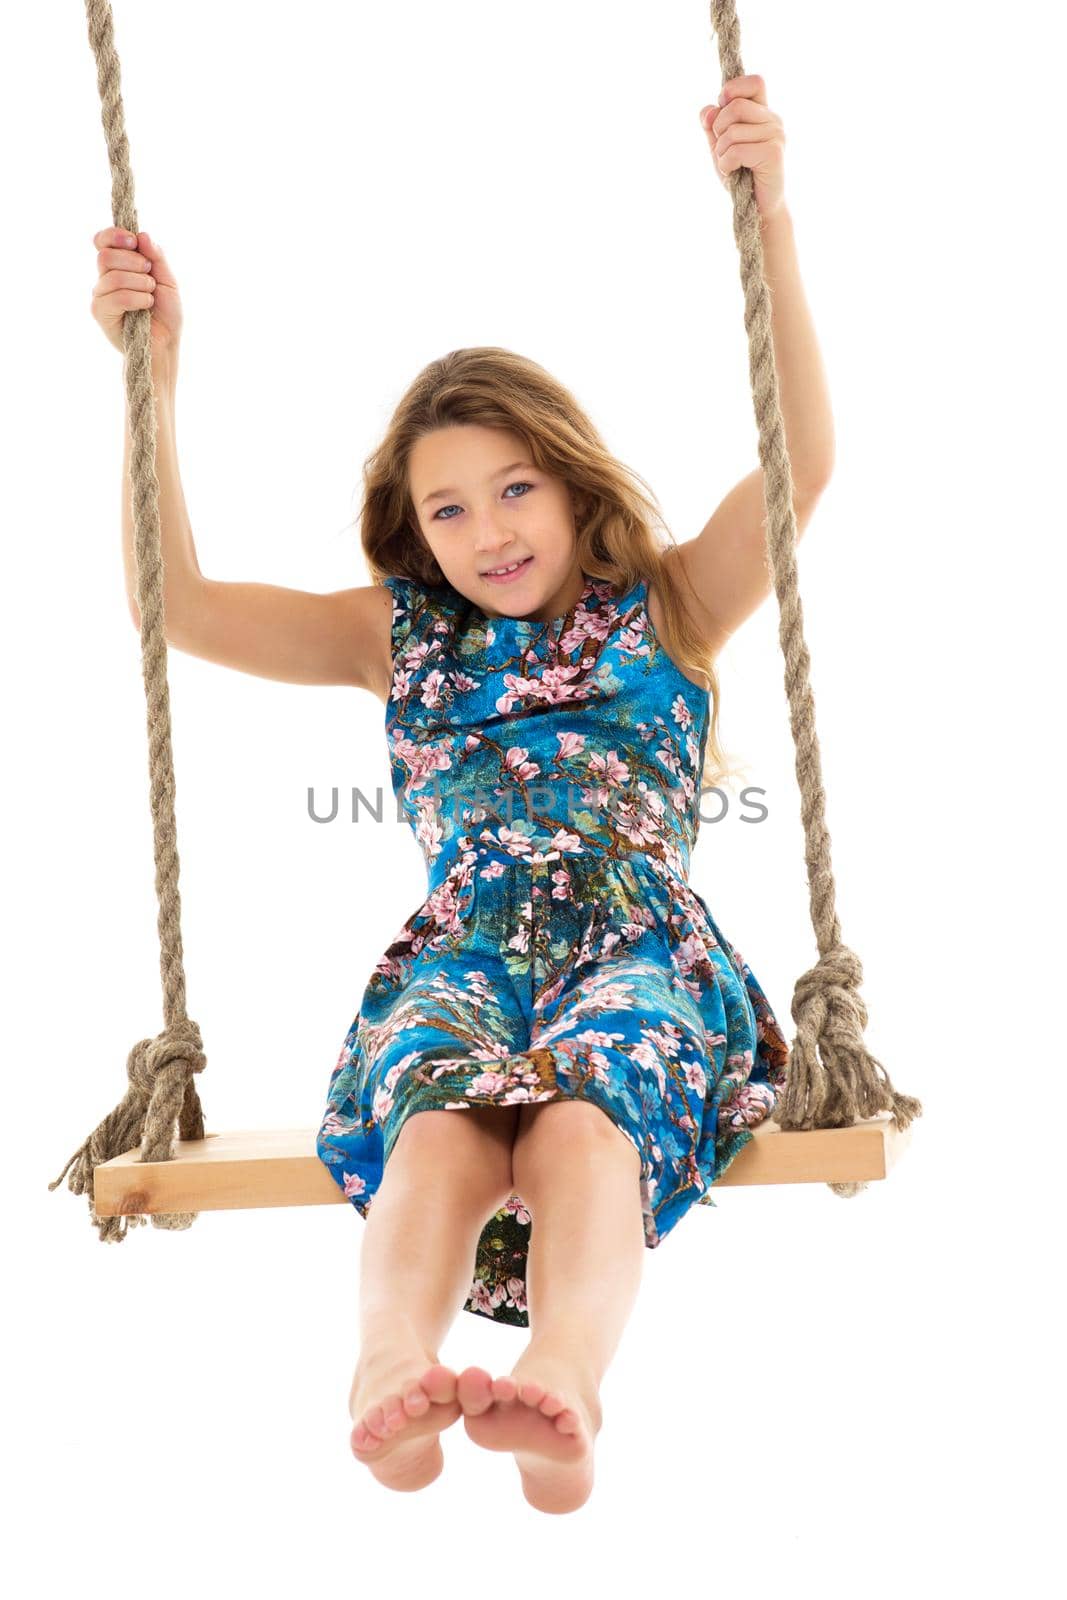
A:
(552, 1405)
(531, 1394)
(417, 1402)
(439, 1383)
(395, 1415)
(374, 1421)
(474, 1391)
(505, 1388)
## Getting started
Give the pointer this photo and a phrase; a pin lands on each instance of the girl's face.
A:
(482, 504)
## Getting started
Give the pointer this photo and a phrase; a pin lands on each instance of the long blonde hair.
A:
(617, 516)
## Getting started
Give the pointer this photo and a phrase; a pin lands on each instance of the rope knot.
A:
(826, 998)
(178, 1049)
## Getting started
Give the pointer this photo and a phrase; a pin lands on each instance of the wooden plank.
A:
(281, 1167)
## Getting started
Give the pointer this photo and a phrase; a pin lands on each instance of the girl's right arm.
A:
(290, 635)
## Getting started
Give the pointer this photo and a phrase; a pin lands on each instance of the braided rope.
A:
(832, 1080)
(161, 1090)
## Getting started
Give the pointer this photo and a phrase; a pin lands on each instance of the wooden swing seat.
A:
(281, 1167)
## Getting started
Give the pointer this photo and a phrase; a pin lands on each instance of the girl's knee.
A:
(467, 1152)
(567, 1131)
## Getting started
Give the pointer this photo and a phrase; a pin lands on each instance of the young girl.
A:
(585, 1050)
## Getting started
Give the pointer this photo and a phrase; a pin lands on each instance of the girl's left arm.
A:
(726, 563)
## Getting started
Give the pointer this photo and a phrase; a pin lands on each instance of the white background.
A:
(814, 1396)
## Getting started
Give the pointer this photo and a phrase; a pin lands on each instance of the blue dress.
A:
(551, 775)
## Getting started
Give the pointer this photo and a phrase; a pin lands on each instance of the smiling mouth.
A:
(493, 572)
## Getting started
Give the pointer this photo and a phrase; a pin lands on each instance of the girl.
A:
(559, 1052)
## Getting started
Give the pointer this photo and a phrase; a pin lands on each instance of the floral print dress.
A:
(550, 772)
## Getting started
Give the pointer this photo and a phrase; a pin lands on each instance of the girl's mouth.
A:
(508, 577)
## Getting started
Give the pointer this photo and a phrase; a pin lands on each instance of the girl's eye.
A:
(517, 485)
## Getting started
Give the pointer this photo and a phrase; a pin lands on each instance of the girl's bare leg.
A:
(447, 1173)
(578, 1175)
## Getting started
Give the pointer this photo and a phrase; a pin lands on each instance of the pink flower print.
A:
(462, 682)
(401, 684)
(419, 654)
(652, 801)
(517, 764)
(388, 967)
(569, 843)
(554, 686)
(471, 742)
(449, 1064)
(668, 756)
(600, 1066)
(749, 1105)
(608, 767)
(515, 843)
(443, 908)
(382, 1105)
(695, 1077)
(520, 941)
(672, 858)
(478, 986)
(447, 992)
(681, 712)
(570, 744)
(488, 1083)
(647, 1056)
(559, 687)
(689, 951)
(431, 689)
(489, 1050)
(546, 997)
(586, 625)
(428, 831)
(561, 884)
(668, 1036)
(397, 1070)
(605, 994)
(632, 639)
(595, 1041)
(353, 1184)
(641, 831)
(495, 869)
(429, 759)
(403, 748)
(516, 1208)
(479, 1293)
(423, 760)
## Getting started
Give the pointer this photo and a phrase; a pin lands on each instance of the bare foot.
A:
(548, 1414)
(401, 1399)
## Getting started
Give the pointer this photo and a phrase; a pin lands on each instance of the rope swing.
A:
(832, 1079)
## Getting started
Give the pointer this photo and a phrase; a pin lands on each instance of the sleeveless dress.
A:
(550, 772)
